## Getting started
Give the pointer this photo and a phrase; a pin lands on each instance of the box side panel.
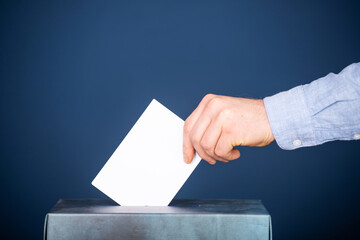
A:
(45, 227)
(157, 226)
(243, 227)
(270, 228)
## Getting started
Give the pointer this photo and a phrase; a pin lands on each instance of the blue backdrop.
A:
(76, 75)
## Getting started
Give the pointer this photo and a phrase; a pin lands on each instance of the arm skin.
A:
(220, 123)
(325, 110)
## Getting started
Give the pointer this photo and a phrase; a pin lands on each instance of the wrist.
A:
(269, 136)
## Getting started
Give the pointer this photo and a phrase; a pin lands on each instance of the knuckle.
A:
(214, 103)
(208, 96)
(219, 152)
(206, 145)
(225, 113)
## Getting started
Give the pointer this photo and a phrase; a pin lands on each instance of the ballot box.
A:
(182, 219)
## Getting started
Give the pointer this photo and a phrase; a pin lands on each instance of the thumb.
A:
(234, 154)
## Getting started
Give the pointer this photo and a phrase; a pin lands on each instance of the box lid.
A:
(177, 206)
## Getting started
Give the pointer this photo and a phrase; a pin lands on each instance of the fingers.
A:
(192, 119)
(225, 149)
(202, 132)
(188, 149)
(210, 138)
(196, 135)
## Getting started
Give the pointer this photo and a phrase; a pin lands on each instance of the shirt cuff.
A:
(289, 119)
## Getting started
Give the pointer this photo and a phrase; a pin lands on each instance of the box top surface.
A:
(177, 206)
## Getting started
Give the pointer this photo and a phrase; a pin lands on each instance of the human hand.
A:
(220, 123)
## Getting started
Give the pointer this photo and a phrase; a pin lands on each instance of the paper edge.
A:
(93, 183)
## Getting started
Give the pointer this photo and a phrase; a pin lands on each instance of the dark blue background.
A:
(75, 76)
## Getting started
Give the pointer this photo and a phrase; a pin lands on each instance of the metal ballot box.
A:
(182, 219)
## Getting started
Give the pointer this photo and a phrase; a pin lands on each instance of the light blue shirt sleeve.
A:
(325, 110)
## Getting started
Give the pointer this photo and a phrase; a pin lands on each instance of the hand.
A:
(220, 123)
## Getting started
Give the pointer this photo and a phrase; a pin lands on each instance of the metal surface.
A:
(182, 219)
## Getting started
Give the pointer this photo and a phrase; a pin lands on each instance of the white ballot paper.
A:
(147, 169)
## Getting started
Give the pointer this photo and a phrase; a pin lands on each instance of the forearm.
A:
(325, 110)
